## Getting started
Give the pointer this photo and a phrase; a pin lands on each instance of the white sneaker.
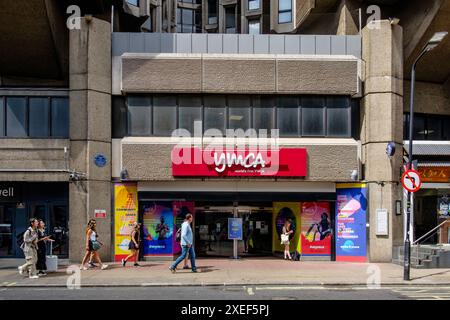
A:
(104, 266)
(34, 277)
(20, 270)
(83, 268)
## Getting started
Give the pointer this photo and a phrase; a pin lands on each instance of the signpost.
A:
(411, 180)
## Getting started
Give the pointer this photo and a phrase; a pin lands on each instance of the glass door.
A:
(211, 232)
(257, 231)
(7, 246)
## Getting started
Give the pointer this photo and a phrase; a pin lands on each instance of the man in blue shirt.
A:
(186, 244)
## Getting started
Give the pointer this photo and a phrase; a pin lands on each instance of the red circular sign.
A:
(411, 180)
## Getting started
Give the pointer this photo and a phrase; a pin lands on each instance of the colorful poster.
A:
(316, 228)
(351, 206)
(234, 228)
(125, 215)
(283, 211)
(157, 226)
(180, 209)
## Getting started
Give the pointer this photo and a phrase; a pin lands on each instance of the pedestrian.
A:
(186, 245)
(92, 245)
(41, 265)
(134, 245)
(285, 238)
(29, 247)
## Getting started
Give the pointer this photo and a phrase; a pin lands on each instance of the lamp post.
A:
(432, 43)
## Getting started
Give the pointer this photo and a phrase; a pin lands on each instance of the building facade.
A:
(90, 134)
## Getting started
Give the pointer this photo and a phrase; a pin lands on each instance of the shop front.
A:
(21, 201)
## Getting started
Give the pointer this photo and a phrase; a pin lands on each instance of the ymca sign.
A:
(198, 162)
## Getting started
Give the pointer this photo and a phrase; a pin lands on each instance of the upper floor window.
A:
(212, 11)
(34, 117)
(253, 4)
(284, 11)
(189, 21)
(254, 27)
(427, 127)
(133, 2)
(230, 19)
(294, 116)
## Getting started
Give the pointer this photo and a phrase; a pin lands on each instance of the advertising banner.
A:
(351, 206)
(234, 228)
(180, 210)
(443, 207)
(282, 212)
(316, 228)
(158, 222)
(125, 215)
(197, 162)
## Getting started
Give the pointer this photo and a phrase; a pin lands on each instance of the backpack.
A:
(19, 239)
(178, 235)
(296, 256)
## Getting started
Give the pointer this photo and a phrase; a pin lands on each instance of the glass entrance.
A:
(257, 236)
(7, 247)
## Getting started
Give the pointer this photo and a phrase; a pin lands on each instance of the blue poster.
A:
(158, 228)
(235, 228)
(351, 207)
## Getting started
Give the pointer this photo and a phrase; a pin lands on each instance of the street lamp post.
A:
(432, 43)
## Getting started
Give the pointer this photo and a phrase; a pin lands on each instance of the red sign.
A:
(100, 214)
(197, 162)
(411, 180)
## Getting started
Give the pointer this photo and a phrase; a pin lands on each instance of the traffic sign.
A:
(411, 180)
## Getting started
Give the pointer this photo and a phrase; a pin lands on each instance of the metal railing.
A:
(426, 236)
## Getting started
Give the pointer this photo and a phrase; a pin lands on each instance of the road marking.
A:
(250, 292)
(11, 284)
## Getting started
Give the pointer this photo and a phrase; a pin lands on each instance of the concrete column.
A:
(90, 132)
(382, 122)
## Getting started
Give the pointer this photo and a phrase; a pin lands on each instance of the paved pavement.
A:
(226, 272)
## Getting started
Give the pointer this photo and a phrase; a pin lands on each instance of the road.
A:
(229, 293)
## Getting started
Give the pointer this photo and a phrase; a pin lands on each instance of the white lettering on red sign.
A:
(229, 159)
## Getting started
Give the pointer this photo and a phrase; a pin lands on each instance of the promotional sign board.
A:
(282, 212)
(180, 210)
(234, 228)
(197, 162)
(351, 206)
(125, 215)
(158, 222)
(316, 228)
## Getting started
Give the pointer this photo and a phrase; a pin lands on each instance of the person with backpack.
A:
(92, 245)
(186, 240)
(29, 247)
(134, 245)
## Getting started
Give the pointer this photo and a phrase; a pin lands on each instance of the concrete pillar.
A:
(90, 132)
(381, 116)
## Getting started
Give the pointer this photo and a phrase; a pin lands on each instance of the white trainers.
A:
(104, 266)
(34, 277)
(83, 268)
(20, 270)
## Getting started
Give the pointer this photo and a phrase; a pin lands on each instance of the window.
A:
(2, 117)
(253, 4)
(188, 21)
(190, 110)
(119, 117)
(212, 11)
(338, 117)
(288, 116)
(133, 2)
(16, 117)
(239, 112)
(263, 114)
(254, 27)
(60, 117)
(313, 117)
(284, 11)
(139, 116)
(230, 19)
(39, 120)
(428, 127)
(164, 115)
(214, 112)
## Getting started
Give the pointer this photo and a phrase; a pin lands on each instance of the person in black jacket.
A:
(42, 249)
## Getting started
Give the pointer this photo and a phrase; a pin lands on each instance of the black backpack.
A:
(178, 235)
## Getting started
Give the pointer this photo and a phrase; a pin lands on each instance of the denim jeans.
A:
(184, 251)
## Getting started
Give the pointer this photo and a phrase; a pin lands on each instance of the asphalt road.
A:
(228, 293)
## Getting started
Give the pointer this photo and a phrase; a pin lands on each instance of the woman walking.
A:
(41, 265)
(285, 238)
(134, 245)
(92, 245)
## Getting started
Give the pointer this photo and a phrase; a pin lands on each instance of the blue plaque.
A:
(100, 160)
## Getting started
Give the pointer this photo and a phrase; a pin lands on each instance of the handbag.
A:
(96, 245)
(284, 238)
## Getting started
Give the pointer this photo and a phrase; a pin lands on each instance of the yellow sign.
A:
(281, 212)
(125, 215)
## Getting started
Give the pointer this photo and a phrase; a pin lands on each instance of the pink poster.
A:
(180, 210)
(316, 229)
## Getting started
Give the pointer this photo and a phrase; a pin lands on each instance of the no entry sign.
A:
(411, 180)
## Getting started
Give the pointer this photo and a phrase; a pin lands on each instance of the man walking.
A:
(29, 248)
(186, 244)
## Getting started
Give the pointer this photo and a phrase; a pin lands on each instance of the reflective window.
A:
(190, 110)
(212, 11)
(133, 2)
(254, 27)
(16, 117)
(239, 112)
(2, 117)
(60, 117)
(164, 115)
(313, 116)
(230, 19)
(188, 21)
(215, 112)
(284, 11)
(338, 117)
(39, 117)
(263, 113)
(139, 116)
(288, 116)
(253, 4)
(428, 127)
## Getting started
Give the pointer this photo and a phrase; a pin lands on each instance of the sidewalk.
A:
(225, 272)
